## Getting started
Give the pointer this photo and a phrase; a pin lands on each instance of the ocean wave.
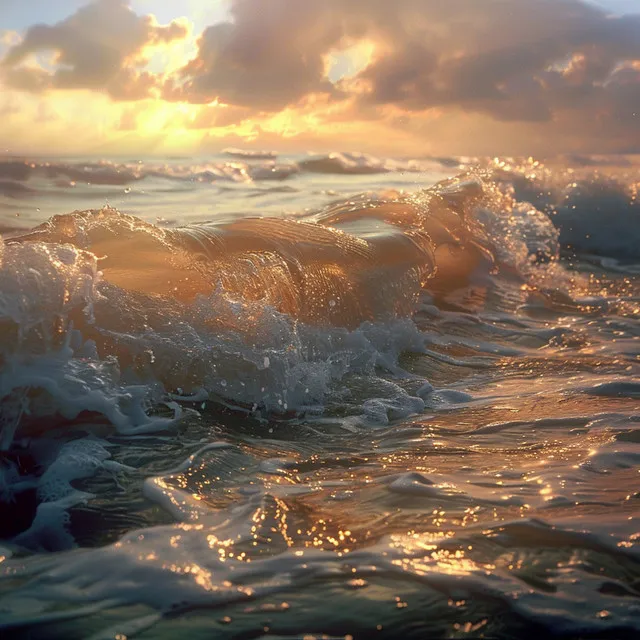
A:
(595, 211)
(248, 154)
(14, 173)
(490, 578)
(110, 324)
(355, 164)
(247, 166)
(577, 199)
(102, 173)
(264, 313)
(601, 216)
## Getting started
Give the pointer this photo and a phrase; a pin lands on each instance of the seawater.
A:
(336, 395)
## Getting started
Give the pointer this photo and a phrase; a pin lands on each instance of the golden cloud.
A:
(462, 75)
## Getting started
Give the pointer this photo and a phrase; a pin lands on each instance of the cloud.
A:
(461, 76)
(100, 47)
(9, 38)
(269, 57)
(209, 117)
(525, 61)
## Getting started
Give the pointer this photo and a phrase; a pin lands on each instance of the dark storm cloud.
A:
(95, 49)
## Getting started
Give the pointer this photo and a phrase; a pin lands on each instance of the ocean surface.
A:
(267, 396)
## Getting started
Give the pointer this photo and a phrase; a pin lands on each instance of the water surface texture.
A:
(259, 396)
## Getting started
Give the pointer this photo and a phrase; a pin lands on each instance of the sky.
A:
(403, 78)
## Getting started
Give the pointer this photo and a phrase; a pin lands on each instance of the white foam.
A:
(75, 460)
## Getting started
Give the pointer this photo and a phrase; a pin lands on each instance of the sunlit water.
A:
(386, 410)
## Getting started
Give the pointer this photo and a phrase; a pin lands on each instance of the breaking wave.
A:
(309, 297)
(114, 327)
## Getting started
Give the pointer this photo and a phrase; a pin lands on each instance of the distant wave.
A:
(577, 200)
(250, 166)
(354, 163)
(250, 155)
(103, 172)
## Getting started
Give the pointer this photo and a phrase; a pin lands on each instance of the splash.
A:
(388, 397)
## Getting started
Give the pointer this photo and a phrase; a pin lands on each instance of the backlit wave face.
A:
(351, 263)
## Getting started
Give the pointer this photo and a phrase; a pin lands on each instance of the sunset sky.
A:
(406, 77)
